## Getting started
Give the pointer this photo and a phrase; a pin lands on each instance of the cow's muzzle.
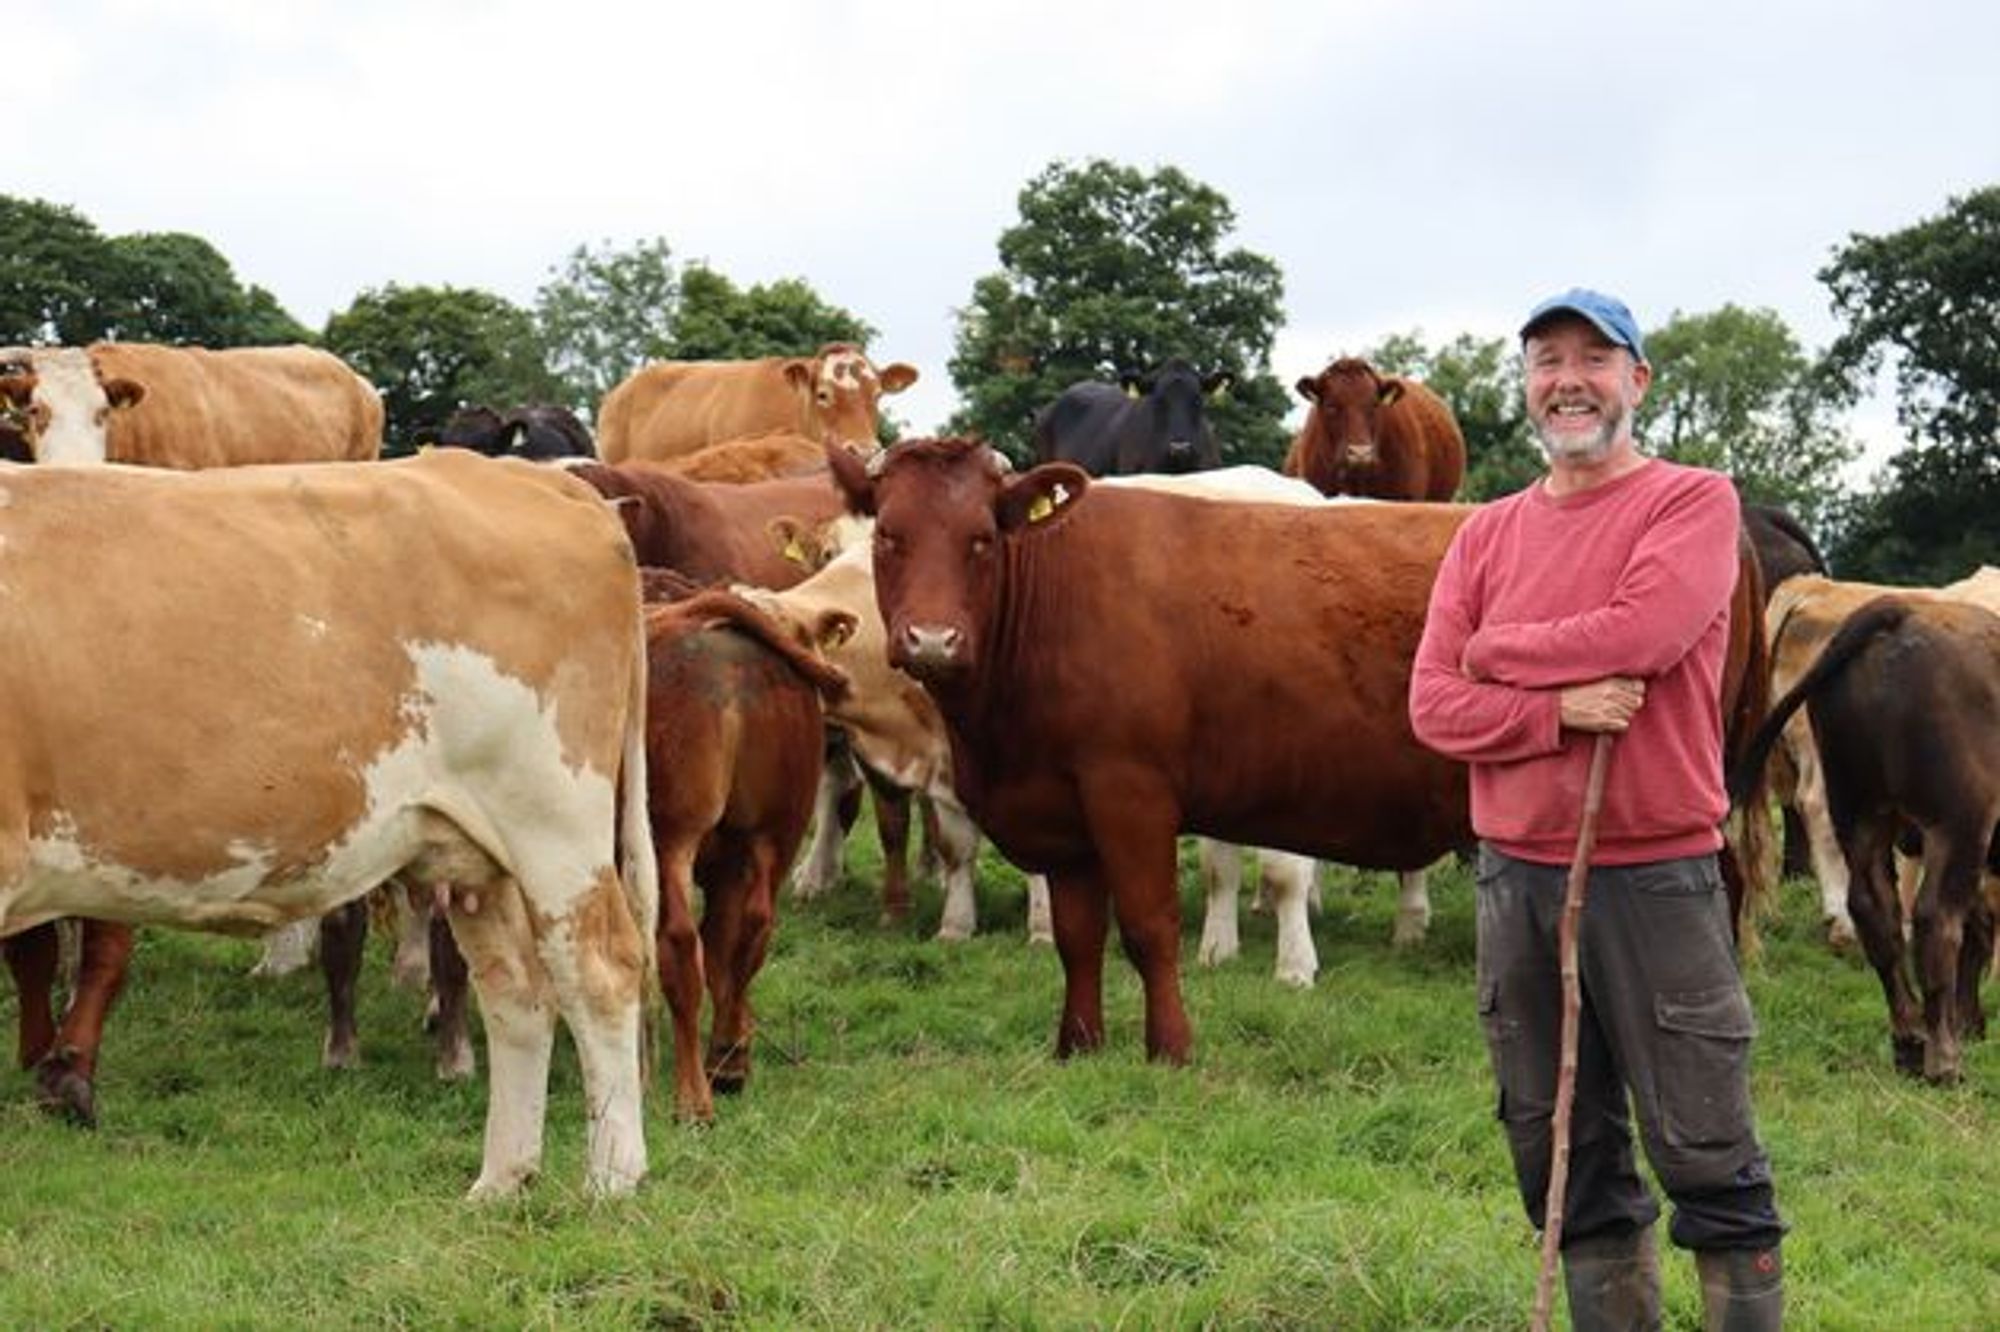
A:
(929, 652)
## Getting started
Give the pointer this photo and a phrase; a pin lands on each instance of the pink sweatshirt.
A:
(1630, 578)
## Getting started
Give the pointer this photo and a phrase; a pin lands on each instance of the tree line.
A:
(1109, 268)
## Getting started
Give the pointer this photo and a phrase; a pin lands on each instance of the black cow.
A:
(1905, 709)
(539, 433)
(1155, 423)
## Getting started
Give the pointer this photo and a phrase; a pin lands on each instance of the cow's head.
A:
(57, 406)
(1347, 397)
(472, 427)
(838, 393)
(1176, 436)
(945, 511)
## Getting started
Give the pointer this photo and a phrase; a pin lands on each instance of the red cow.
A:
(1380, 437)
(734, 732)
(710, 531)
(1096, 701)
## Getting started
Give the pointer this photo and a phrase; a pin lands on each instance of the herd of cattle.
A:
(575, 705)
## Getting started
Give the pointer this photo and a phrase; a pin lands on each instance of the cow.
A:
(1018, 602)
(734, 729)
(1904, 705)
(188, 407)
(1802, 616)
(426, 959)
(1380, 436)
(758, 458)
(1784, 547)
(712, 532)
(539, 433)
(315, 720)
(669, 408)
(159, 406)
(1153, 422)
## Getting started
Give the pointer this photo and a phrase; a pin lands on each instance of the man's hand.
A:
(1602, 705)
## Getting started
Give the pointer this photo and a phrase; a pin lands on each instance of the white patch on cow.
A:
(314, 625)
(68, 387)
(1245, 483)
(847, 370)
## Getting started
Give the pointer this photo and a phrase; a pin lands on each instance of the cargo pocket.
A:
(1502, 1046)
(1703, 1073)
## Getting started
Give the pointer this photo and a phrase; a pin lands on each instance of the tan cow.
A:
(1802, 616)
(673, 407)
(757, 458)
(251, 711)
(188, 407)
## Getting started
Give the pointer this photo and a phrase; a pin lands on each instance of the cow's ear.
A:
(1391, 390)
(1040, 496)
(124, 392)
(831, 628)
(798, 373)
(1218, 384)
(897, 376)
(1308, 387)
(854, 477)
(794, 542)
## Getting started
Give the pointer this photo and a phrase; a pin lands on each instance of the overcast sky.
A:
(1409, 166)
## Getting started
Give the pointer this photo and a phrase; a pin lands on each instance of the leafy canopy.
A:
(1112, 270)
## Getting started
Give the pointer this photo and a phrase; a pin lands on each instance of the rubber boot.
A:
(1742, 1290)
(1613, 1282)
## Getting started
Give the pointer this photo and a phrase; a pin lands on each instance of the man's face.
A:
(1582, 390)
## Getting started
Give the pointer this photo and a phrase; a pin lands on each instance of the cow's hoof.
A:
(1840, 936)
(1909, 1052)
(67, 1094)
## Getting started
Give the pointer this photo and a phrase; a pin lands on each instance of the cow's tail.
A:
(1877, 617)
(1753, 846)
(639, 868)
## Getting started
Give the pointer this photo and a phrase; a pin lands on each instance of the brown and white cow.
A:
(1802, 616)
(307, 719)
(734, 729)
(189, 407)
(1096, 699)
(1904, 705)
(1379, 436)
(669, 408)
(157, 406)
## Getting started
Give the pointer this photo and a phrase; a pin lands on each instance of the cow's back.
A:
(237, 406)
(670, 408)
(257, 654)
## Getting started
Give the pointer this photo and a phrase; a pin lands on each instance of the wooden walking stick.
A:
(1572, 1018)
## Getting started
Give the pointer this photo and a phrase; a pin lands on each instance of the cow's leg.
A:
(491, 927)
(66, 1070)
(1290, 879)
(892, 825)
(1829, 864)
(1952, 865)
(1413, 908)
(1222, 876)
(451, 1037)
(819, 869)
(1080, 914)
(32, 958)
(1974, 956)
(957, 842)
(412, 908)
(287, 948)
(1041, 917)
(1871, 902)
(1135, 823)
(343, 936)
(752, 921)
(682, 980)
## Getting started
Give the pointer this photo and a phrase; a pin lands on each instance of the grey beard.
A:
(1569, 449)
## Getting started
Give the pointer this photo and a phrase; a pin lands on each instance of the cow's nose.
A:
(929, 649)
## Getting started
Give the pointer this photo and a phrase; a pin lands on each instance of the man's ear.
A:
(1040, 496)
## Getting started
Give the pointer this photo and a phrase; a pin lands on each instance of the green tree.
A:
(177, 288)
(1928, 298)
(717, 321)
(1732, 390)
(1110, 270)
(432, 349)
(1480, 380)
(53, 265)
(606, 313)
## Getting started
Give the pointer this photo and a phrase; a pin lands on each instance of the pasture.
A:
(908, 1154)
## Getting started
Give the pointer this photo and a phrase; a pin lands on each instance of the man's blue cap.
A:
(1607, 313)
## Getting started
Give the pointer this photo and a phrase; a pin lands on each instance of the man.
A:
(1596, 601)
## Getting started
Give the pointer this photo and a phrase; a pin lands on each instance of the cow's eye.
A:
(885, 543)
(981, 547)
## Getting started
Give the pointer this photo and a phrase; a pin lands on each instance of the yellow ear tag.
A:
(794, 552)
(1041, 508)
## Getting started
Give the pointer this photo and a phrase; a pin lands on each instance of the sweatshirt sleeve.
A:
(1679, 577)
(1474, 721)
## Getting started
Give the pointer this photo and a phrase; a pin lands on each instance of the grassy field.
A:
(908, 1154)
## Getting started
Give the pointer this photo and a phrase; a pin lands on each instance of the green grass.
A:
(909, 1155)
